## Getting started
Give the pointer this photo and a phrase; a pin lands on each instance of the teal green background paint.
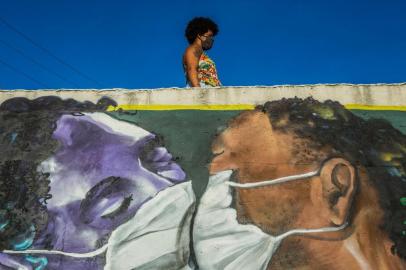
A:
(396, 118)
(188, 134)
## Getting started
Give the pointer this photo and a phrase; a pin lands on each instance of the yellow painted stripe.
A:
(207, 107)
(374, 107)
(234, 107)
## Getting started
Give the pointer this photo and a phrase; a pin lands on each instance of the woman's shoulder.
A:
(191, 51)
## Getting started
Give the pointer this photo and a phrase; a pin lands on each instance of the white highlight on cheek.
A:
(65, 189)
(48, 166)
(71, 188)
(353, 247)
(90, 235)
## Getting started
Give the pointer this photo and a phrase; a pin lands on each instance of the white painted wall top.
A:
(363, 94)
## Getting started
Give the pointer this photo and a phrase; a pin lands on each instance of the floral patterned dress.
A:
(206, 72)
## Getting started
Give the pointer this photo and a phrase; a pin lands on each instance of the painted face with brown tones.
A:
(255, 151)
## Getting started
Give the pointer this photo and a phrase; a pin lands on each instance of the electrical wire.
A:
(45, 50)
(22, 53)
(23, 73)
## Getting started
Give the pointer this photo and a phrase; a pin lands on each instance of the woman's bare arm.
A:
(192, 63)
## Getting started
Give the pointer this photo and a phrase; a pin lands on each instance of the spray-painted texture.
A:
(251, 178)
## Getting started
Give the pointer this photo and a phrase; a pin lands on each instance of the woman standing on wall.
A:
(200, 70)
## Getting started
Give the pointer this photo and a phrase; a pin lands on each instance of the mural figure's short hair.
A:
(26, 128)
(374, 144)
(199, 26)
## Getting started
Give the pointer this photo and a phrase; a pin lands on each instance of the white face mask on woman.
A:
(220, 242)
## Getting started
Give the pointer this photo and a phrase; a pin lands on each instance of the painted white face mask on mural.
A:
(220, 242)
(157, 237)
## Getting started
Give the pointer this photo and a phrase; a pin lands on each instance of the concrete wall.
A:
(368, 94)
(199, 179)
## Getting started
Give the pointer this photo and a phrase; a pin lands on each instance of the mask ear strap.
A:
(57, 252)
(273, 181)
(305, 231)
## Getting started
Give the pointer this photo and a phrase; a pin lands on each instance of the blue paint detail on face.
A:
(3, 220)
(24, 245)
(10, 205)
(27, 240)
(13, 137)
(40, 262)
(3, 225)
(394, 172)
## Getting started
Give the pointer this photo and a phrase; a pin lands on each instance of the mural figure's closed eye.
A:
(107, 204)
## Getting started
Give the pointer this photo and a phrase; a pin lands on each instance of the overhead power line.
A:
(22, 53)
(45, 50)
(23, 73)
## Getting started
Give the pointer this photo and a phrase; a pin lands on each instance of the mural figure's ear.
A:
(338, 179)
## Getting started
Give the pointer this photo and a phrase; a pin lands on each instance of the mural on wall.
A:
(82, 190)
(299, 184)
(293, 184)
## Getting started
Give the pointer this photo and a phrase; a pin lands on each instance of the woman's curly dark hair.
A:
(199, 26)
(26, 129)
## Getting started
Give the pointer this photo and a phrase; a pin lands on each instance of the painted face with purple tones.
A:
(102, 172)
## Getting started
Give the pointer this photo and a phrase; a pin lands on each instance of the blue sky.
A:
(139, 44)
